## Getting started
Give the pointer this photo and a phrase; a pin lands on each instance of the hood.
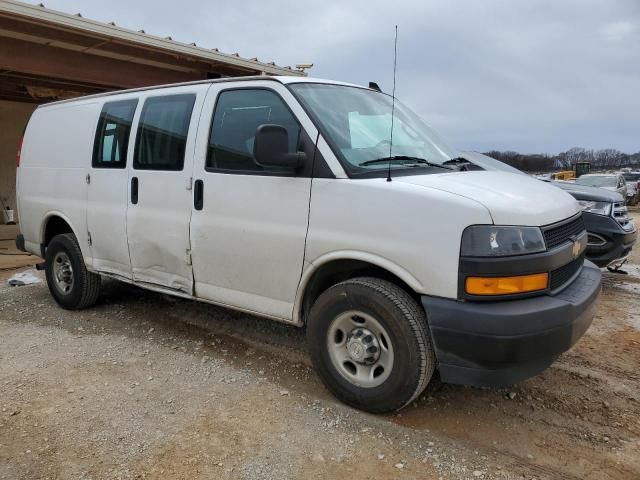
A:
(584, 192)
(489, 163)
(512, 199)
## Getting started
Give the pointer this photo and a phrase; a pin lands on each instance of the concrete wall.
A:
(13, 118)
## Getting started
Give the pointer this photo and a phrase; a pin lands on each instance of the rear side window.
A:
(237, 115)
(112, 134)
(162, 132)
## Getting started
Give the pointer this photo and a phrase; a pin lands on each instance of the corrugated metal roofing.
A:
(140, 37)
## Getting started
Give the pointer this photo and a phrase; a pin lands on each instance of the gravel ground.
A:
(148, 386)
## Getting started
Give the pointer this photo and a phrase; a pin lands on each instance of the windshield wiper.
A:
(410, 161)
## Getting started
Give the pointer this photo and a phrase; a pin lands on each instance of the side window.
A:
(162, 132)
(238, 113)
(112, 134)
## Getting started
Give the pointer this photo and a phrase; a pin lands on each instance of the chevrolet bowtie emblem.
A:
(576, 248)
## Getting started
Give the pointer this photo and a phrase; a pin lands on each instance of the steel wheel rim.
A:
(366, 369)
(63, 273)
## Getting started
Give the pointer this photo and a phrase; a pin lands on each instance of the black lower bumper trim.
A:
(493, 378)
(500, 343)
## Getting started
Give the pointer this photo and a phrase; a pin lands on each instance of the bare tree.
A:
(604, 159)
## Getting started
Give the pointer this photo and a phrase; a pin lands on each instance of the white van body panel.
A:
(250, 255)
(512, 199)
(395, 225)
(51, 179)
(248, 239)
(158, 225)
(107, 202)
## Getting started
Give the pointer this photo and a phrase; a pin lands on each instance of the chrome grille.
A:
(559, 234)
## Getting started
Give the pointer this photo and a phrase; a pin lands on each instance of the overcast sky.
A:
(526, 75)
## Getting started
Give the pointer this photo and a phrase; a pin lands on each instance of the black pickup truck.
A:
(611, 232)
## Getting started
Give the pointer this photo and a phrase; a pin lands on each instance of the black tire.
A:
(406, 326)
(85, 289)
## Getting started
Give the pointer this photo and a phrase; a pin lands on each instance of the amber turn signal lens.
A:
(506, 285)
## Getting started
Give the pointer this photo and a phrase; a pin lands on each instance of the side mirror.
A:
(271, 148)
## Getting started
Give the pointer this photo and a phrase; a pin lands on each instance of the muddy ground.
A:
(148, 386)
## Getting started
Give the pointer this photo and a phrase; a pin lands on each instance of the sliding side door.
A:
(160, 188)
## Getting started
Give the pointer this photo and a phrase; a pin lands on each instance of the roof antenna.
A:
(393, 101)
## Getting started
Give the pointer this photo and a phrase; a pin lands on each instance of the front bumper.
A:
(501, 343)
(617, 245)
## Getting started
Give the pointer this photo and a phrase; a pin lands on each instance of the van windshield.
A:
(357, 124)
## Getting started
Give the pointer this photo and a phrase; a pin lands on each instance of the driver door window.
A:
(238, 113)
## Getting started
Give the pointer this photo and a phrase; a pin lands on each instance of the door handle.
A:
(198, 195)
(134, 190)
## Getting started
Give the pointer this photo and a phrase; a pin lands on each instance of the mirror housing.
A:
(271, 148)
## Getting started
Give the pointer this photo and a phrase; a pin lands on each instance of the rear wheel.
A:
(370, 344)
(69, 281)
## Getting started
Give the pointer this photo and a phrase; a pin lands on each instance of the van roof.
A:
(280, 79)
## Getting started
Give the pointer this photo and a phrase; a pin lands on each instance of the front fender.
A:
(312, 267)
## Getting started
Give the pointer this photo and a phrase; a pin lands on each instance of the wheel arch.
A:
(54, 223)
(339, 266)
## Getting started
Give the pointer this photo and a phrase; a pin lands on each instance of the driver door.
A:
(249, 222)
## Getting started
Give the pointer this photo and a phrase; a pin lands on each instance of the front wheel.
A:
(69, 281)
(370, 344)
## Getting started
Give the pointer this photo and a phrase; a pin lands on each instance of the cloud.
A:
(618, 31)
(538, 76)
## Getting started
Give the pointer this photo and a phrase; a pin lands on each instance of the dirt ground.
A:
(148, 386)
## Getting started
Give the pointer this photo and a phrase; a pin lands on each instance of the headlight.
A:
(494, 241)
(599, 208)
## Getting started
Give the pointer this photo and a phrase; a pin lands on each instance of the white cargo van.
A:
(283, 197)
